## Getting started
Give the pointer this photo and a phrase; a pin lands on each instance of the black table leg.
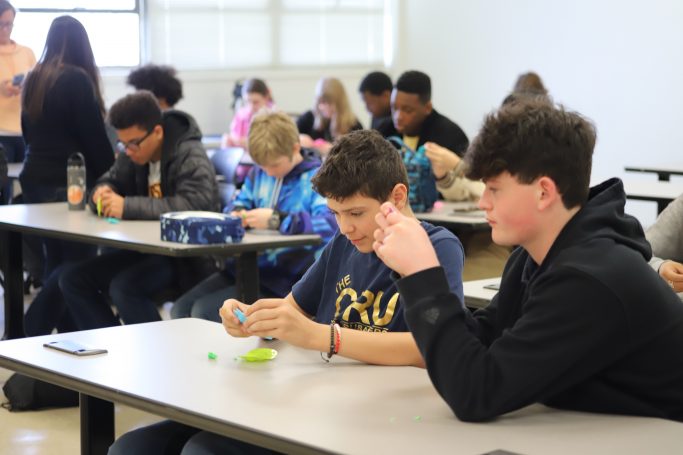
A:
(661, 205)
(97, 425)
(247, 277)
(13, 273)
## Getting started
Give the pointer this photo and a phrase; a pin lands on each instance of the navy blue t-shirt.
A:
(357, 289)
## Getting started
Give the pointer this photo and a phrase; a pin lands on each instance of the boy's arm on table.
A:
(285, 320)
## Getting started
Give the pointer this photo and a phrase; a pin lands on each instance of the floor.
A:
(54, 431)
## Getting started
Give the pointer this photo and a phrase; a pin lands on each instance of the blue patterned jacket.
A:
(306, 213)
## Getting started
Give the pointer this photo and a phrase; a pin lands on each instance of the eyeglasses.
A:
(133, 145)
(7, 25)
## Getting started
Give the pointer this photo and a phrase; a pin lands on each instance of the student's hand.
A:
(112, 205)
(442, 159)
(395, 233)
(278, 319)
(672, 272)
(8, 90)
(257, 218)
(230, 321)
(305, 140)
(323, 147)
(100, 191)
(241, 214)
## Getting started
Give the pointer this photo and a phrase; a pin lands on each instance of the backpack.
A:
(26, 394)
(422, 192)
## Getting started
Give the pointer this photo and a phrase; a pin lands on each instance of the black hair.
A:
(417, 83)
(5, 5)
(532, 138)
(136, 109)
(376, 83)
(360, 162)
(161, 80)
(67, 45)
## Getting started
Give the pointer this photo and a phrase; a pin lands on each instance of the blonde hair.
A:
(331, 90)
(271, 135)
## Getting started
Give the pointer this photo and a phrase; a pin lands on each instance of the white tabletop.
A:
(300, 404)
(658, 168)
(55, 220)
(460, 213)
(476, 295)
(652, 190)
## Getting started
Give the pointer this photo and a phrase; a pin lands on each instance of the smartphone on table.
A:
(74, 348)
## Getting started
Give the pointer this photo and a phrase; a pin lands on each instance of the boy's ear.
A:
(159, 131)
(399, 196)
(548, 193)
(296, 149)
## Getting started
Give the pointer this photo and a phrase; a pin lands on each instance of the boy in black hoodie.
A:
(162, 167)
(581, 322)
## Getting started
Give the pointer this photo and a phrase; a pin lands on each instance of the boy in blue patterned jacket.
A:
(278, 195)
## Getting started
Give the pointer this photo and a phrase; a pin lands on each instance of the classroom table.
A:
(477, 293)
(55, 220)
(299, 404)
(660, 192)
(459, 216)
(663, 171)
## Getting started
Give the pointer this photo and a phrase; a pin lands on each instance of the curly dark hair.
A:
(158, 79)
(532, 138)
(139, 109)
(360, 162)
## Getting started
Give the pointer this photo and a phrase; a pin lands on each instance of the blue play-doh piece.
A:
(240, 315)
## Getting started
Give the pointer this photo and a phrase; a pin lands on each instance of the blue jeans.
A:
(128, 278)
(47, 311)
(205, 299)
(172, 438)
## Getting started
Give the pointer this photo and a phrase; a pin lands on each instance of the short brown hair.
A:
(531, 139)
(360, 162)
(271, 135)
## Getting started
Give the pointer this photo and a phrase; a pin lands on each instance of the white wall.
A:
(616, 61)
(208, 94)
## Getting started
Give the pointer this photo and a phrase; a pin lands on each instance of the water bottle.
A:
(75, 181)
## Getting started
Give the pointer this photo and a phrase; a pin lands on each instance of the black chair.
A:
(226, 161)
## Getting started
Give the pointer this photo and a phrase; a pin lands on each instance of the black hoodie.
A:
(188, 179)
(592, 328)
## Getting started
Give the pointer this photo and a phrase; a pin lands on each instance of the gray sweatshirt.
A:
(666, 235)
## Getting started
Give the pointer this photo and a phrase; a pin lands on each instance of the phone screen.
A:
(74, 347)
(18, 79)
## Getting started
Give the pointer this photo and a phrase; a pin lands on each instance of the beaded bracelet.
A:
(335, 341)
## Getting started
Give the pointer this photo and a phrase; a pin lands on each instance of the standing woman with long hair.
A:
(62, 113)
(330, 117)
(15, 61)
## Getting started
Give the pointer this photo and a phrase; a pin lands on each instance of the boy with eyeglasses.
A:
(162, 167)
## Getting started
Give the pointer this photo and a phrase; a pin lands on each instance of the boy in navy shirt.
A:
(348, 285)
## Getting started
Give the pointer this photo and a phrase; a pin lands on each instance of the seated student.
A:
(419, 123)
(256, 95)
(330, 118)
(528, 85)
(162, 168)
(347, 285)
(666, 239)
(581, 321)
(161, 80)
(276, 195)
(375, 89)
